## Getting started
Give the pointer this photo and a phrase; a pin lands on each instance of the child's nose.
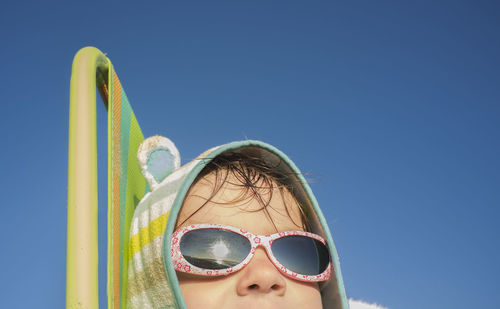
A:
(260, 276)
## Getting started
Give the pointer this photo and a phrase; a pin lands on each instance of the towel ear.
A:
(158, 157)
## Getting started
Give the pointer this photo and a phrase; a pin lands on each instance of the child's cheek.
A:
(205, 293)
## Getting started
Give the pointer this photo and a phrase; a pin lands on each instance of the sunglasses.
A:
(215, 250)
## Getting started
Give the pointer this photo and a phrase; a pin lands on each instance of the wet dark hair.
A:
(257, 178)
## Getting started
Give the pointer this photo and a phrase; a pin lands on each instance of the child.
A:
(236, 228)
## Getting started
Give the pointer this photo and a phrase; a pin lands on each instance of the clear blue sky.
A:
(391, 108)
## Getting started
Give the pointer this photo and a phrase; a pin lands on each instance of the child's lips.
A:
(263, 302)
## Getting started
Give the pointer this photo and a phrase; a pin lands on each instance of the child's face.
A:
(259, 284)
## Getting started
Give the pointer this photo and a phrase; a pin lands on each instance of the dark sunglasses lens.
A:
(214, 248)
(301, 254)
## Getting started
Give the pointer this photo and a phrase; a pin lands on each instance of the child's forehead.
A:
(240, 207)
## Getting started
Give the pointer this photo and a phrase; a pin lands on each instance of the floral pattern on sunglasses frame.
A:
(182, 265)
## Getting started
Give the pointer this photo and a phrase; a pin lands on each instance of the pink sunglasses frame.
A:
(180, 263)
